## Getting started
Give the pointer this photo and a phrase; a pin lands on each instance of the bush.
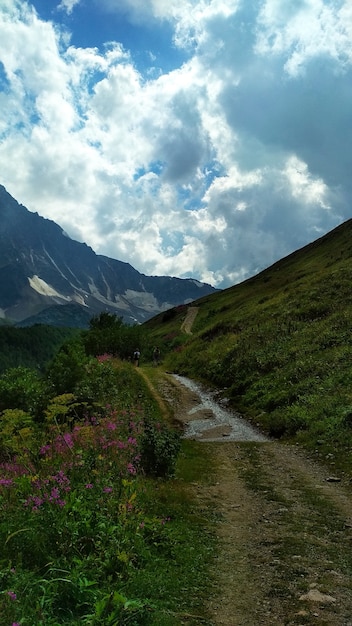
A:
(23, 388)
(68, 368)
(160, 446)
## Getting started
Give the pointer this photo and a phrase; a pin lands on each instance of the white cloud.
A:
(68, 5)
(303, 30)
(215, 169)
(303, 186)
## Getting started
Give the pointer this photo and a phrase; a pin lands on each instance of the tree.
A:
(105, 321)
(67, 368)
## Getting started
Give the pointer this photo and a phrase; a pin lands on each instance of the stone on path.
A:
(316, 596)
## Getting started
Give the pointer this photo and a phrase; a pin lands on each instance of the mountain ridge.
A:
(42, 268)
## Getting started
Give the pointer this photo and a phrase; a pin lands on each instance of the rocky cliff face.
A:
(46, 277)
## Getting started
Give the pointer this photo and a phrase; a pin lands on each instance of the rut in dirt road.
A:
(284, 529)
(209, 420)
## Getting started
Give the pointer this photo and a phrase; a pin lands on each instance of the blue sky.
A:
(92, 23)
(189, 138)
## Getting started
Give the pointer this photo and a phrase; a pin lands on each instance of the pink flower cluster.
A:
(12, 595)
(49, 491)
(104, 357)
(93, 455)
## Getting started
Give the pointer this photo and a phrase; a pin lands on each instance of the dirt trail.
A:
(189, 319)
(284, 527)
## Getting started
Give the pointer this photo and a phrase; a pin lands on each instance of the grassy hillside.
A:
(279, 344)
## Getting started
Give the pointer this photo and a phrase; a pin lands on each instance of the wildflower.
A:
(107, 489)
(44, 449)
(89, 486)
(111, 426)
(12, 595)
(104, 357)
(55, 493)
(6, 482)
(61, 479)
(36, 501)
(67, 437)
(14, 468)
(131, 469)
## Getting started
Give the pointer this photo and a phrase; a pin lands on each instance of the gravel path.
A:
(284, 526)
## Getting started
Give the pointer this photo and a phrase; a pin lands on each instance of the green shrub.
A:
(67, 368)
(17, 431)
(23, 388)
(160, 446)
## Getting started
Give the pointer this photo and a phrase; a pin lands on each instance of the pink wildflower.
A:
(131, 469)
(35, 501)
(55, 493)
(89, 486)
(12, 595)
(107, 489)
(67, 437)
(61, 479)
(6, 482)
(104, 357)
(44, 449)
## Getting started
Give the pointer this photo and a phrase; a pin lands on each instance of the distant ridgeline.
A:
(48, 278)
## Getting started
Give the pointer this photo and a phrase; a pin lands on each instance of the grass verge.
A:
(177, 575)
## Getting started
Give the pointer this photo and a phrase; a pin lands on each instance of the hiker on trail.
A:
(156, 356)
(136, 357)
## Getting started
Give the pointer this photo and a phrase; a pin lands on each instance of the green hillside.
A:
(31, 347)
(278, 345)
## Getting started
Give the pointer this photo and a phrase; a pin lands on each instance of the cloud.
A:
(68, 5)
(215, 169)
(304, 30)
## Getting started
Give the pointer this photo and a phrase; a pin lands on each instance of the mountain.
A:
(46, 277)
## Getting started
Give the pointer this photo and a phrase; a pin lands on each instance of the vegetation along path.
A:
(283, 525)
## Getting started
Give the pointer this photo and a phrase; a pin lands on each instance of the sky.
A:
(204, 139)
